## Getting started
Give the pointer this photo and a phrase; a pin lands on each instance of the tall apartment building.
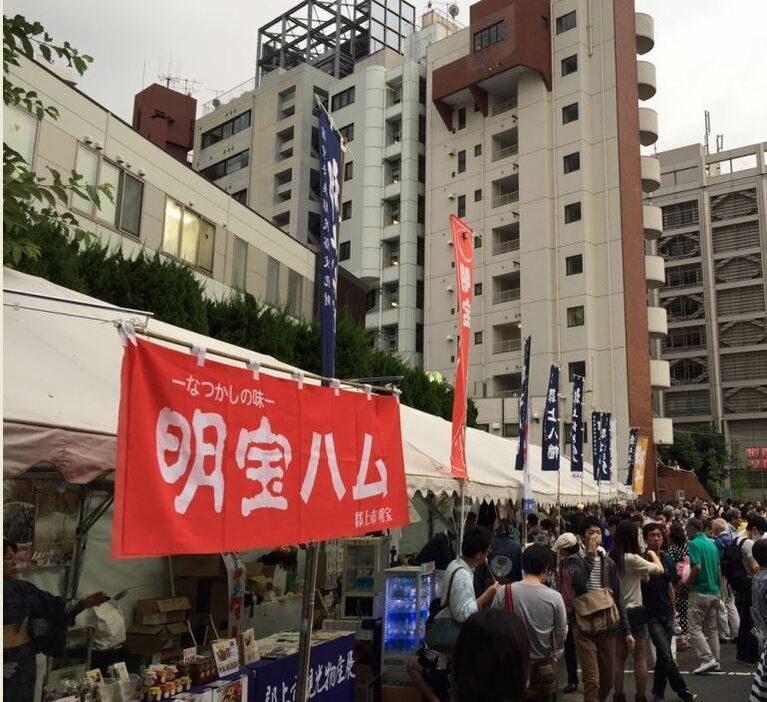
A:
(160, 204)
(714, 241)
(260, 143)
(534, 133)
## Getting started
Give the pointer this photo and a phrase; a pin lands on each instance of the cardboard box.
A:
(211, 566)
(162, 605)
(145, 639)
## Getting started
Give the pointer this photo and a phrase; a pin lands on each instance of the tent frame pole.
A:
(307, 620)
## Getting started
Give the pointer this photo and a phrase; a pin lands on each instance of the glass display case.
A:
(365, 560)
(409, 591)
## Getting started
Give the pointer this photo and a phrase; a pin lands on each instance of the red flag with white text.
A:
(463, 246)
(214, 458)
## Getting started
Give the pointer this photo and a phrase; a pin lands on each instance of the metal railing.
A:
(506, 393)
(223, 98)
(505, 198)
(507, 345)
(502, 247)
(501, 152)
(505, 295)
(504, 106)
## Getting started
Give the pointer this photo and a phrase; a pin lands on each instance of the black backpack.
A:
(733, 567)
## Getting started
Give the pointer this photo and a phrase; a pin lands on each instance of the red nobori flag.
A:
(463, 245)
(214, 458)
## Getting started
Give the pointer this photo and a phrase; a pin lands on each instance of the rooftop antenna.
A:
(171, 81)
(707, 119)
(719, 142)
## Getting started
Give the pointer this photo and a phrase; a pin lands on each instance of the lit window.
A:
(188, 237)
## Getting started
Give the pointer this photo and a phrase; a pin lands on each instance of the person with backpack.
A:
(543, 613)
(600, 615)
(740, 572)
(729, 619)
(658, 597)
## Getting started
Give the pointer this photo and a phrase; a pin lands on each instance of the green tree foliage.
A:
(173, 293)
(30, 200)
(700, 448)
(738, 471)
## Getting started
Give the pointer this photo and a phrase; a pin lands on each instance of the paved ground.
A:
(733, 684)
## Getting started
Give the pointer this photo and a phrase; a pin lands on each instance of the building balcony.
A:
(662, 431)
(502, 106)
(646, 79)
(645, 32)
(648, 126)
(660, 374)
(392, 190)
(505, 191)
(657, 322)
(655, 272)
(653, 222)
(507, 295)
(650, 174)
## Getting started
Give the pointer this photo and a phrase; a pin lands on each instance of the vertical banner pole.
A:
(331, 167)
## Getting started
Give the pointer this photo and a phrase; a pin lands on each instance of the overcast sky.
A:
(709, 54)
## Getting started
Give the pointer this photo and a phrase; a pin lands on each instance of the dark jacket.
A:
(504, 562)
(580, 568)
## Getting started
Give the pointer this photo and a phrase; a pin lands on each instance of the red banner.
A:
(214, 458)
(463, 244)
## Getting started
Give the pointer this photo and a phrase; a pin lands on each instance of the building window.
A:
(20, 132)
(225, 130)
(420, 251)
(421, 169)
(295, 293)
(478, 195)
(421, 210)
(477, 242)
(391, 212)
(576, 368)
(124, 210)
(421, 129)
(488, 36)
(477, 289)
(570, 65)
(572, 212)
(346, 210)
(478, 337)
(461, 161)
(419, 338)
(227, 166)
(419, 294)
(348, 170)
(422, 90)
(241, 196)
(570, 113)
(574, 264)
(478, 149)
(272, 281)
(342, 99)
(566, 22)
(239, 263)
(188, 236)
(345, 251)
(347, 132)
(572, 162)
(462, 118)
(575, 316)
(461, 206)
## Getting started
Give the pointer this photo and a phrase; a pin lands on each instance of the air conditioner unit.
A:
(452, 196)
(495, 426)
(451, 152)
(450, 288)
(450, 337)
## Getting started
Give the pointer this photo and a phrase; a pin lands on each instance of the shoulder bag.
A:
(595, 611)
(444, 631)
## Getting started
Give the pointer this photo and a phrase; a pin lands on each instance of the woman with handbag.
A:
(543, 613)
(458, 600)
(632, 567)
(680, 555)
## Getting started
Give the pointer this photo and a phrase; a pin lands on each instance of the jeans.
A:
(702, 614)
(597, 657)
(661, 632)
(747, 644)
(571, 658)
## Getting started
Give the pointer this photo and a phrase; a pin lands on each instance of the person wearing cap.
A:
(703, 608)
(565, 546)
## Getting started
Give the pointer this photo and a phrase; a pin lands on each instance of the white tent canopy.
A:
(62, 389)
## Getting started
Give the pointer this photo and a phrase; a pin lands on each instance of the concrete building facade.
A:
(260, 143)
(534, 132)
(714, 240)
(160, 204)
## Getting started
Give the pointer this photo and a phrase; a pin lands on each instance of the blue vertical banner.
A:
(523, 409)
(633, 436)
(596, 444)
(550, 449)
(605, 451)
(330, 182)
(576, 429)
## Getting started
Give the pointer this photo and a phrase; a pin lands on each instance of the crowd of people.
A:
(596, 588)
